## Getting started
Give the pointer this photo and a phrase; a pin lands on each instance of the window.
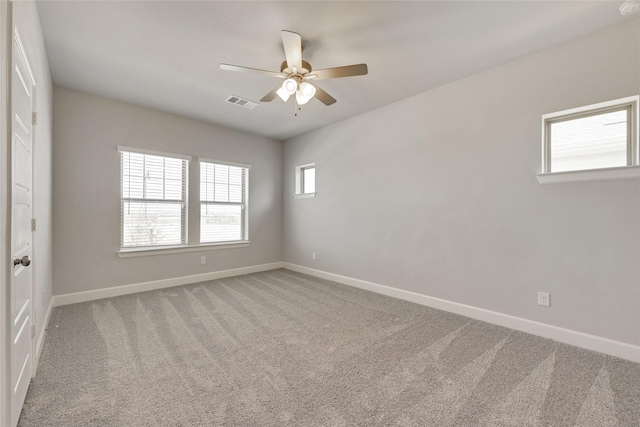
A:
(223, 202)
(594, 142)
(153, 198)
(306, 181)
(309, 180)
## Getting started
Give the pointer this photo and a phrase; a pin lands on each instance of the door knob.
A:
(25, 261)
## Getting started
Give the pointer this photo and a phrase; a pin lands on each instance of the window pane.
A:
(150, 224)
(154, 187)
(221, 183)
(173, 190)
(132, 175)
(309, 180)
(222, 197)
(154, 177)
(592, 142)
(220, 223)
(173, 169)
(206, 181)
(132, 187)
(173, 179)
(157, 222)
(235, 193)
(221, 192)
(235, 175)
(222, 174)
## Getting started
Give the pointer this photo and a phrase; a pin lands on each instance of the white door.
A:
(22, 86)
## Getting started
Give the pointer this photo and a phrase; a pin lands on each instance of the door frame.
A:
(34, 258)
(5, 214)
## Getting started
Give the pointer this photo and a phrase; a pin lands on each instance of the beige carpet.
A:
(284, 349)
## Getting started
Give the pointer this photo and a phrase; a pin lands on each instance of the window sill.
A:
(623, 172)
(304, 196)
(137, 252)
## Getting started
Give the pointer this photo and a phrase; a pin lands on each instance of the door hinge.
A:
(33, 331)
(33, 224)
(34, 118)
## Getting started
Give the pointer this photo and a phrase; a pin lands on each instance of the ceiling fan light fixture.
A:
(290, 86)
(630, 7)
(295, 71)
(283, 94)
(308, 90)
(301, 99)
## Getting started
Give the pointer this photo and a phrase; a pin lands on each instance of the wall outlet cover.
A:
(543, 299)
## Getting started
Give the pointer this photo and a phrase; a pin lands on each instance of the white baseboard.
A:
(43, 332)
(567, 336)
(579, 339)
(77, 297)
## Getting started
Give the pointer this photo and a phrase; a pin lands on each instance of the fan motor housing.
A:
(306, 68)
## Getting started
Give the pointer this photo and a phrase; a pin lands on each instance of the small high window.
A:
(309, 180)
(306, 180)
(591, 139)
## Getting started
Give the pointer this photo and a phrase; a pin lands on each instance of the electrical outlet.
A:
(203, 260)
(543, 299)
(313, 256)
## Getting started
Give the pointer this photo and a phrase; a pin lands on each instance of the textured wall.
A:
(86, 186)
(437, 194)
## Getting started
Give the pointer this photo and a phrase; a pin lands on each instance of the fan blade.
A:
(346, 71)
(323, 96)
(229, 67)
(271, 95)
(292, 43)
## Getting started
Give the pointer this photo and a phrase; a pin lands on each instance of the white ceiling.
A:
(166, 55)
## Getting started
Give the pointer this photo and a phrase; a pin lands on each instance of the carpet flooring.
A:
(280, 348)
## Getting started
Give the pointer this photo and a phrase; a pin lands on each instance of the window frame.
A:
(244, 203)
(184, 211)
(629, 171)
(299, 181)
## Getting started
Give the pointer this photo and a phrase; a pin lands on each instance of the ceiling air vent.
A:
(242, 102)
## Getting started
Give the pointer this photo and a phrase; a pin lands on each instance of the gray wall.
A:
(437, 194)
(25, 16)
(86, 186)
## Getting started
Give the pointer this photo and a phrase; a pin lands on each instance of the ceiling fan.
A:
(298, 75)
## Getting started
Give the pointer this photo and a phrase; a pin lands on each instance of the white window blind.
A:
(154, 200)
(223, 202)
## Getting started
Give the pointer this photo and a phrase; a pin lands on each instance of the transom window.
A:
(305, 182)
(593, 137)
(153, 198)
(223, 202)
(309, 180)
